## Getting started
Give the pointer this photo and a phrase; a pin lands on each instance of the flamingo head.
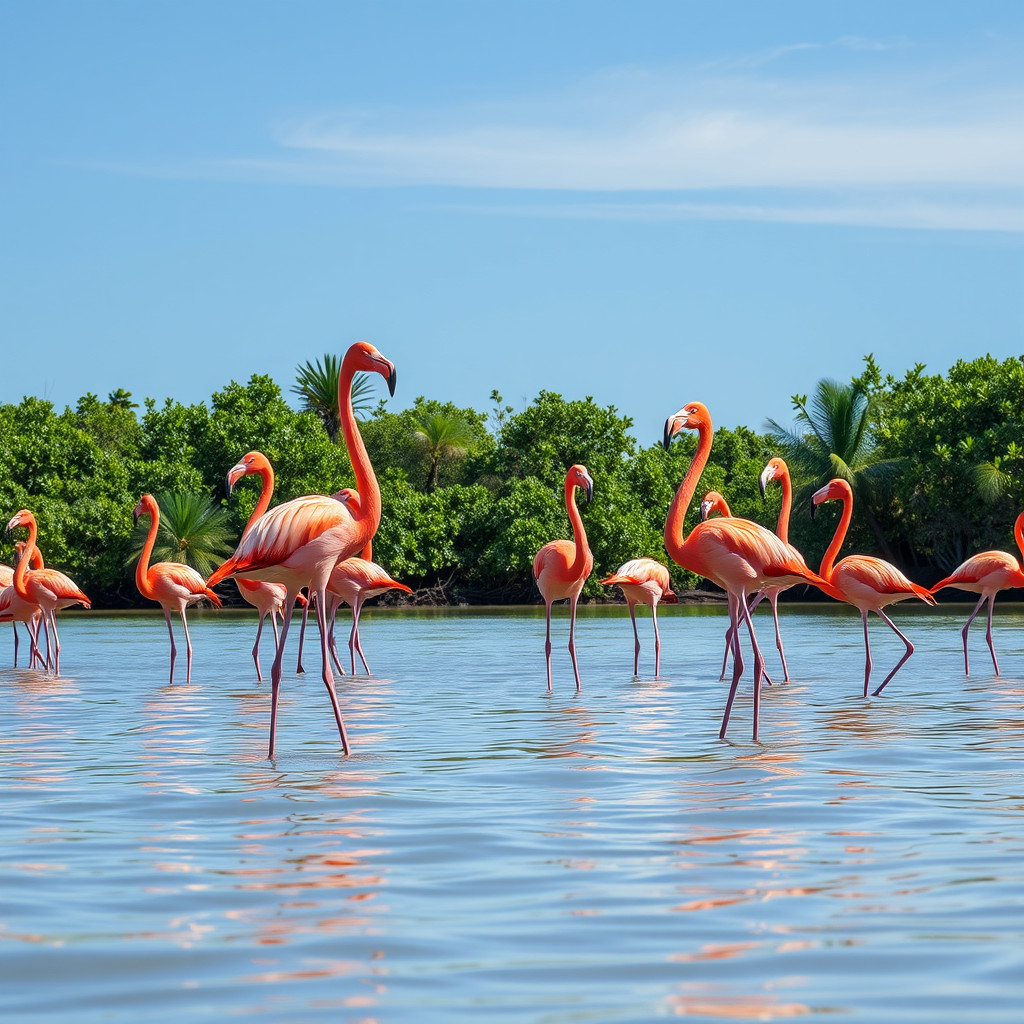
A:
(694, 416)
(147, 506)
(22, 518)
(713, 502)
(363, 356)
(254, 462)
(834, 490)
(775, 470)
(579, 477)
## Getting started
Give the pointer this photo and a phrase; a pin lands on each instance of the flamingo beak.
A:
(590, 490)
(670, 432)
(234, 473)
(705, 508)
(392, 379)
(818, 497)
(763, 479)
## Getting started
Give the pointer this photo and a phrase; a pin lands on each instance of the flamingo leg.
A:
(774, 599)
(188, 646)
(170, 632)
(572, 641)
(357, 609)
(256, 648)
(332, 615)
(275, 672)
(988, 632)
(547, 642)
(967, 626)
(636, 638)
(758, 665)
(657, 641)
(867, 651)
(328, 675)
(299, 670)
(56, 643)
(15, 627)
(737, 667)
(910, 650)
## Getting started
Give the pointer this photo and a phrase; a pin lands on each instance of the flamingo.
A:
(49, 589)
(737, 554)
(299, 542)
(986, 574)
(643, 581)
(354, 581)
(267, 598)
(561, 567)
(866, 582)
(170, 584)
(14, 609)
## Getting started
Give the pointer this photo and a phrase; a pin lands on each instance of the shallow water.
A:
(490, 851)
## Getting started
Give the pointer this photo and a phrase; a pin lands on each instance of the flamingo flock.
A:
(322, 546)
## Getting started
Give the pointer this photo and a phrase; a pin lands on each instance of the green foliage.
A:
(317, 387)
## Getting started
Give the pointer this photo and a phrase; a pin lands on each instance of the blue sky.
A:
(647, 202)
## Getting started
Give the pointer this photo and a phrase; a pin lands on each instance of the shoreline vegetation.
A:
(469, 496)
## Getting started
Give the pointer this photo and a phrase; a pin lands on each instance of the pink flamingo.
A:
(170, 584)
(354, 581)
(49, 589)
(267, 598)
(14, 610)
(299, 542)
(561, 567)
(643, 581)
(986, 574)
(739, 555)
(866, 582)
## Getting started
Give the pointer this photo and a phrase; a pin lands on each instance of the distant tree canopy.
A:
(469, 496)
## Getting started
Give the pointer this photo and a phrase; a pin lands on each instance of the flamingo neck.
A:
(367, 553)
(266, 475)
(28, 553)
(674, 539)
(828, 559)
(782, 529)
(142, 569)
(579, 565)
(366, 481)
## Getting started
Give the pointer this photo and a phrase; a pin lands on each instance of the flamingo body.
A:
(986, 574)
(870, 584)
(643, 581)
(172, 585)
(354, 582)
(50, 589)
(299, 542)
(561, 567)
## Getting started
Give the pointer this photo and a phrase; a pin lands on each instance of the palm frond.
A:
(194, 530)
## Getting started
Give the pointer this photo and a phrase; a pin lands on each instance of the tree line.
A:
(936, 461)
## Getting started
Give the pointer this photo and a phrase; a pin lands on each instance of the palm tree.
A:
(441, 436)
(833, 438)
(317, 386)
(193, 530)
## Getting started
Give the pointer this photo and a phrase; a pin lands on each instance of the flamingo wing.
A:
(987, 570)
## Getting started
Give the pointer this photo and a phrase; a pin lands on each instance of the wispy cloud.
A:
(859, 135)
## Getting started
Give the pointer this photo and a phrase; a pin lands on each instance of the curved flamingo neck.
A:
(142, 569)
(366, 481)
(828, 559)
(1018, 533)
(21, 569)
(266, 475)
(782, 529)
(579, 565)
(674, 539)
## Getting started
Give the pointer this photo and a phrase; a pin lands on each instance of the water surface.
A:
(490, 851)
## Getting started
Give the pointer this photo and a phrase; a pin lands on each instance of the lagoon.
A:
(490, 851)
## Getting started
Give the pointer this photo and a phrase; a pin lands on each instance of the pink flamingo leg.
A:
(299, 670)
(657, 641)
(636, 638)
(988, 632)
(256, 648)
(188, 646)
(174, 650)
(737, 669)
(15, 626)
(328, 676)
(900, 663)
(547, 642)
(774, 599)
(572, 641)
(353, 639)
(332, 614)
(275, 671)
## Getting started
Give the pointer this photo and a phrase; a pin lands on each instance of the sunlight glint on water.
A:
(493, 851)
